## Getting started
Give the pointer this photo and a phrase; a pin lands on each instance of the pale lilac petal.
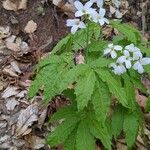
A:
(126, 53)
(88, 5)
(107, 51)
(91, 11)
(71, 22)
(145, 61)
(93, 1)
(102, 12)
(130, 47)
(120, 69)
(137, 66)
(78, 13)
(117, 48)
(121, 59)
(101, 22)
(128, 64)
(74, 29)
(78, 5)
(82, 25)
(100, 3)
(137, 55)
(140, 69)
(113, 54)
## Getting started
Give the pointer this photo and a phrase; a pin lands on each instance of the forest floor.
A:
(28, 31)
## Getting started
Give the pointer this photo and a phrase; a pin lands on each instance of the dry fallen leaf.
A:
(25, 120)
(15, 5)
(15, 67)
(9, 91)
(4, 32)
(11, 103)
(141, 100)
(36, 142)
(30, 27)
(8, 5)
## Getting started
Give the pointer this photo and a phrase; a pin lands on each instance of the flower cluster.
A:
(129, 57)
(86, 11)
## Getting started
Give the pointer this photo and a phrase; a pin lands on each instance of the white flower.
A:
(98, 2)
(140, 63)
(112, 50)
(99, 17)
(83, 9)
(117, 3)
(136, 51)
(137, 55)
(132, 48)
(126, 58)
(75, 24)
(118, 68)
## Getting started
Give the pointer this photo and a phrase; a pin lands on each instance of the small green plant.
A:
(102, 100)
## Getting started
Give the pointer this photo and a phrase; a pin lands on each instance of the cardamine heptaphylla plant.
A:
(102, 99)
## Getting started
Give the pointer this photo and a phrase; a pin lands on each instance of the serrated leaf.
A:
(97, 46)
(44, 75)
(144, 49)
(64, 113)
(147, 108)
(136, 80)
(101, 132)
(130, 91)
(117, 120)
(71, 75)
(100, 62)
(130, 126)
(60, 44)
(130, 32)
(101, 100)
(61, 133)
(70, 143)
(113, 85)
(84, 139)
(84, 89)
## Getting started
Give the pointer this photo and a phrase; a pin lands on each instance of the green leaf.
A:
(44, 75)
(100, 62)
(130, 126)
(80, 39)
(101, 100)
(147, 108)
(71, 75)
(61, 43)
(97, 46)
(61, 133)
(144, 49)
(114, 86)
(117, 120)
(136, 80)
(101, 132)
(130, 91)
(84, 139)
(129, 31)
(84, 89)
(147, 69)
(70, 143)
(64, 113)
